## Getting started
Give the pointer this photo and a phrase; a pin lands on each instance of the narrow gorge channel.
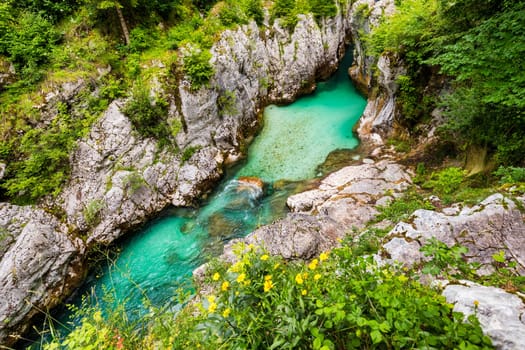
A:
(157, 260)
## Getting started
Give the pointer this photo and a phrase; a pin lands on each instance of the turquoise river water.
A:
(158, 259)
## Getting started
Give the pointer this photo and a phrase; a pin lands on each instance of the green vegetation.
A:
(445, 181)
(451, 263)
(401, 208)
(149, 115)
(92, 210)
(189, 152)
(198, 68)
(478, 46)
(288, 10)
(336, 301)
(68, 41)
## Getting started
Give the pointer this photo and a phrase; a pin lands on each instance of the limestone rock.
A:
(494, 225)
(350, 195)
(378, 117)
(2, 170)
(39, 264)
(297, 236)
(500, 314)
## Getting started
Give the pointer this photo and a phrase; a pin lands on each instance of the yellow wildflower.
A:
(268, 284)
(212, 307)
(241, 277)
(313, 264)
(267, 277)
(276, 266)
(305, 275)
(323, 256)
(402, 278)
(225, 285)
(264, 257)
(237, 293)
(211, 298)
(237, 267)
(299, 279)
(251, 246)
(304, 292)
(97, 316)
(317, 276)
(216, 276)
(476, 303)
(226, 312)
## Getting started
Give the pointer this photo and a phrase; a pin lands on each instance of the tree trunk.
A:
(123, 25)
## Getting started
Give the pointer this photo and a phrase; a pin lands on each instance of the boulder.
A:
(349, 196)
(297, 236)
(493, 226)
(501, 314)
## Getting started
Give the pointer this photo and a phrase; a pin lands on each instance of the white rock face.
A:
(500, 314)
(349, 195)
(492, 226)
(39, 263)
(378, 117)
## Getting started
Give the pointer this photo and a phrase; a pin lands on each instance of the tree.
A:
(108, 4)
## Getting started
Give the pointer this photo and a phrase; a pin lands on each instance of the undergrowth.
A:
(336, 301)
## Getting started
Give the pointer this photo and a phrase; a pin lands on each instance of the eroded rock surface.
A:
(297, 236)
(378, 118)
(350, 195)
(492, 226)
(501, 314)
(39, 264)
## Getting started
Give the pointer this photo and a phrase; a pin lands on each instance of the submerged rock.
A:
(250, 181)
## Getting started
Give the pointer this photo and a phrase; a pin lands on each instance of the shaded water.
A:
(295, 139)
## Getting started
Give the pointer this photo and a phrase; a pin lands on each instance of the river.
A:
(155, 261)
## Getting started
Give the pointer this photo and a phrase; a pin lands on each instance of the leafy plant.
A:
(446, 181)
(510, 175)
(148, 115)
(335, 301)
(401, 208)
(447, 261)
(198, 68)
(189, 152)
(92, 210)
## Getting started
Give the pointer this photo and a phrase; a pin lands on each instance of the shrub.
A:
(401, 208)
(189, 152)
(198, 68)
(148, 116)
(92, 210)
(40, 158)
(254, 9)
(510, 175)
(323, 8)
(28, 44)
(446, 181)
